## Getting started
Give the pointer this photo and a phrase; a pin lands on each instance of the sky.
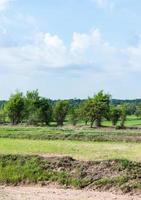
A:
(70, 48)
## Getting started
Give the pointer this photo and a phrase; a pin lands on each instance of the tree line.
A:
(32, 109)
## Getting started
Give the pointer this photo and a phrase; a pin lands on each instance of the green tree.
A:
(114, 114)
(130, 108)
(98, 108)
(123, 115)
(2, 116)
(15, 108)
(83, 111)
(138, 111)
(45, 111)
(38, 109)
(74, 116)
(32, 103)
(60, 111)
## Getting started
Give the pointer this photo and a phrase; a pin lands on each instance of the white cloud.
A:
(110, 4)
(88, 59)
(46, 51)
(101, 3)
(4, 4)
(88, 50)
(133, 54)
(80, 42)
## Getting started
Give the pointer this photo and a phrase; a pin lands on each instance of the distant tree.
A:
(98, 108)
(60, 112)
(138, 111)
(83, 112)
(114, 114)
(32, 103)
(15, 108)
(45, 111)
(74, 116)
(2, 116)
(130, 108)
(2, 103)
(123, 115)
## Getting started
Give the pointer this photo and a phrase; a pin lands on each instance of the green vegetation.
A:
(18, 169)
(97, 108)
(114, 115)
(15, 108)
(77, 133)
(32, 169)
(60, 112)
(32, 109)
(37, 109)
(74, 116)
(77, 149)
(96, 129)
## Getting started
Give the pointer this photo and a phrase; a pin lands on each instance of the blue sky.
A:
(70, 48)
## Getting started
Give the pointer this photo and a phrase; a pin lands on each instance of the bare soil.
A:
(110, 175)
(51, 193)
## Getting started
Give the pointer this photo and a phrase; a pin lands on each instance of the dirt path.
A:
(38, 193)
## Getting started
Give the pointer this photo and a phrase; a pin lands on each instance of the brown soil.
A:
(113, 175)
(38, 193)
(126, 174)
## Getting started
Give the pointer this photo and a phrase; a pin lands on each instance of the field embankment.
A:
(114, 175)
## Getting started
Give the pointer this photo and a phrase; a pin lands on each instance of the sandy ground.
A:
(44, 193)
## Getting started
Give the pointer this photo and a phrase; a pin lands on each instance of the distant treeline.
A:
(2, 102)
(32, 109)
(127, 101)
(76, 102)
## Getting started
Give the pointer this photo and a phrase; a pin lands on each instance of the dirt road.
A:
(44, 193)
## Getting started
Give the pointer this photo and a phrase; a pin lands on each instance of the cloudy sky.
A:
(70, 48)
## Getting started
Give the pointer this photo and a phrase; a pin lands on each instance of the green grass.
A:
(20, 144)
(69, 133)
(130, 121)
(32, 169)
(81, 143)
(77, 149)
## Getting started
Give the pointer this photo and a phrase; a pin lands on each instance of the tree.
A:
(15, 108)
(98, 108)
(130, 108)
(74, 116)
(114, 114)
(123, 115)
(138, 111)
(32, 102)
(60, 112)
(83, 111)
(45, 111)
(2, 116)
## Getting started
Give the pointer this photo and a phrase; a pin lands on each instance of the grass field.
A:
(77, 149)
(80, 142)
(131, 121)
(79, 133)
(20, 144)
